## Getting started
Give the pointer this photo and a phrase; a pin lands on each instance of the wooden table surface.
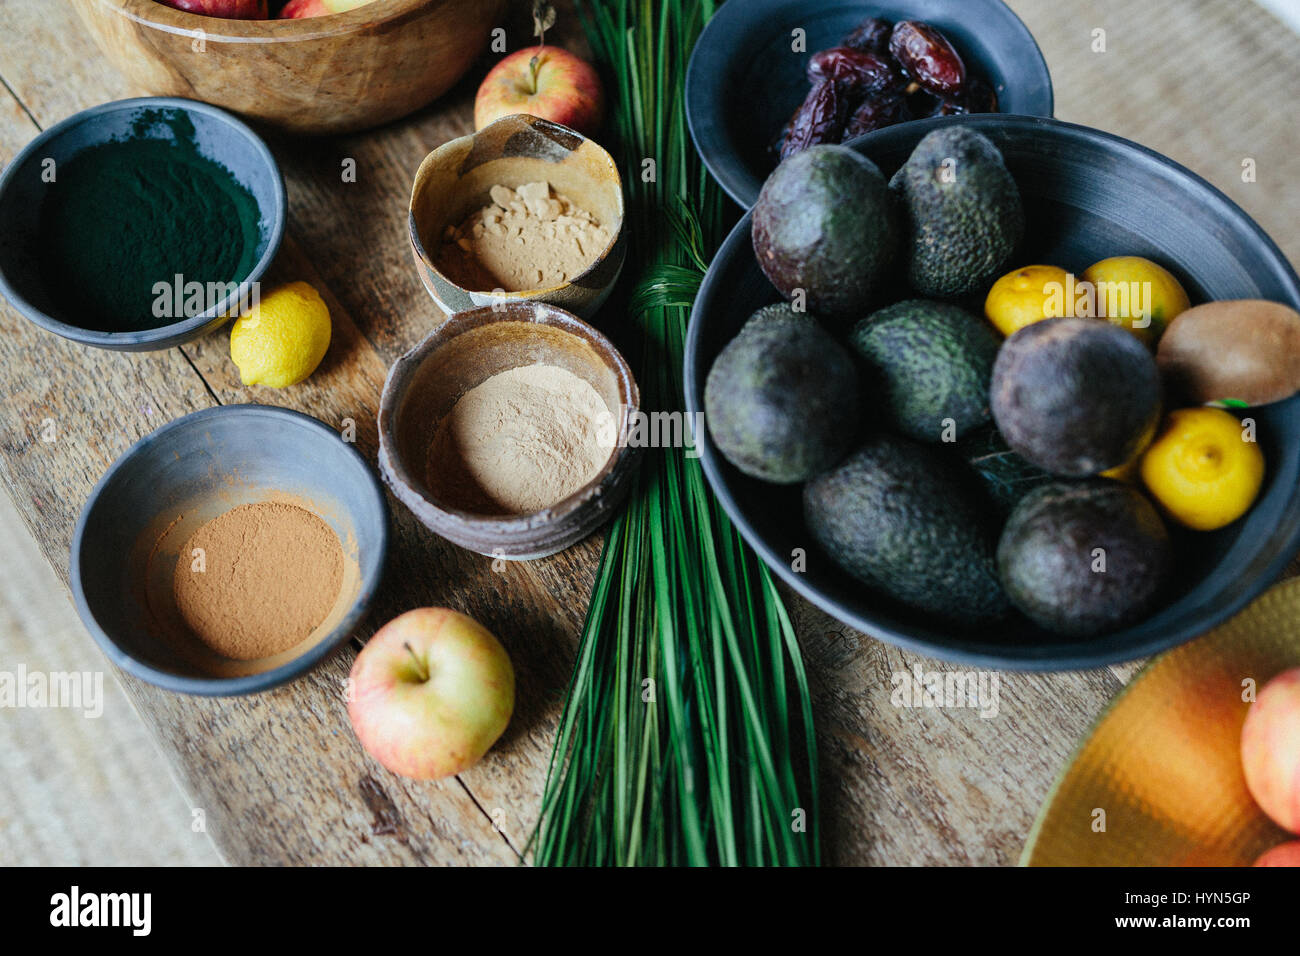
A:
(279, 776)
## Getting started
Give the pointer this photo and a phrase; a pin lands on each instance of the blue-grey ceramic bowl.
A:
(185, 473)
(1087, 195)
(23, 186)
(745, 79)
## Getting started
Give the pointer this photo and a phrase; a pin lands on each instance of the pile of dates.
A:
(883, 73)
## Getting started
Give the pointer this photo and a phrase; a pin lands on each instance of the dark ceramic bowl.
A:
(23, 187)
(167, 484)
(470, 347)
(745, 80)
(1087, 195)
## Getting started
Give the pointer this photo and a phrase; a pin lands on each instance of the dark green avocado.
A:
(928, 366)
(782, 400)
(824, 226)
(1082, 558)
(960, 213)
(1075, 397)
(897, 516)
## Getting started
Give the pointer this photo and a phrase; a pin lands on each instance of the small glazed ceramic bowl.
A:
(144, 509)
(24, 187)
(747, 76)
(454, 180)
(470, 347)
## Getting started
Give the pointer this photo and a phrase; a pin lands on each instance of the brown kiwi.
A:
(1242, 349)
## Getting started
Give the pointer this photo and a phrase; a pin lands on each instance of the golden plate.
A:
(1158, 782)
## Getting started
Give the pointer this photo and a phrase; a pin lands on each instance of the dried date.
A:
(870, 36)
(927, 57)
(820, 119)
(864, 72)
(877, 112)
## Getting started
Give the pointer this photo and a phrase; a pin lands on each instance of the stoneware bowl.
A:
(330, 74)
(455, 178)
(1087, 195)
(746, 78)
(24, 186)
(470, 347)
(166, 485)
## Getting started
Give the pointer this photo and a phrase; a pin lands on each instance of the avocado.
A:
(782, 399)
(928, 367)
(897, 516)
(960, 213)
(1004, 475)
(1075, 397)
(1081, 558)
(824, 224)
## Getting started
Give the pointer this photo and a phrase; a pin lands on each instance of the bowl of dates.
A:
(771, 77)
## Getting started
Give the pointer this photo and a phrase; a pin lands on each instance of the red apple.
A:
(1287, 854)
(226, 9)
(297, 9)
(1270, 749)
(431, 692)
(562, 88)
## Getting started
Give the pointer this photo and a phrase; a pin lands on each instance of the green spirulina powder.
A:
(126, 215)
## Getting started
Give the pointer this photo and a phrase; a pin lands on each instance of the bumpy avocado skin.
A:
(928, 365)
(782, 400)
(824, 222)
(960, 213)
(896, 515)
(1075, 397)
(1050, 554)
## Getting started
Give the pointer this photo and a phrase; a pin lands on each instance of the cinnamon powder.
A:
(258, 579)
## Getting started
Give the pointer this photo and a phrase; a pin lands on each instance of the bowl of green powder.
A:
(139, 224)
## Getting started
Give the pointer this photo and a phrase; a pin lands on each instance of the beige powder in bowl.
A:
(526, 238)
(521, 441)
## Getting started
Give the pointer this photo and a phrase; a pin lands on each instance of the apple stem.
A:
(419, 665)
(532, 66)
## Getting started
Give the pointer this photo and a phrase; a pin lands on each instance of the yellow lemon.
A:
(282, 339)
(1026, 296)
(1136, 294)
(1204, 468)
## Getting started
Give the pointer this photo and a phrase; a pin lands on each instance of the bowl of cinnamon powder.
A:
(229, 551)
(522, 210)
(507, 431)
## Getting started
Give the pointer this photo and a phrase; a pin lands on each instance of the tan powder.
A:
(529, 238)
(263, 578)
(521, 441)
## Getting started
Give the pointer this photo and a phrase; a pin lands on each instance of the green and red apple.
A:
(1270, 749)
(1288, 854)
(544, 81)
(431, 693)
(297, 9)
(226, 9)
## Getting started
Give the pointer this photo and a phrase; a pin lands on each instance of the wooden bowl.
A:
(330, 74)
(455, 179)
(470, 347)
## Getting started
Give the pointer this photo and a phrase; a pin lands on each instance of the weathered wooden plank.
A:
(281, 777)
(278, 776)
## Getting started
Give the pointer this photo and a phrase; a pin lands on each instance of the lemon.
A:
(1026, 296)
(281, 340)
(1128, 286)
(1203, 468)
